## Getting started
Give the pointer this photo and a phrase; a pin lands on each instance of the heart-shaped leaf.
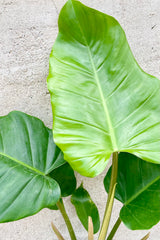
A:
(27, 155)
(103, 102)
(85, 207)
(138, 188)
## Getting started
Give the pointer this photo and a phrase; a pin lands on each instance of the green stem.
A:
(110, 200)
(61, 207)
(114, 229)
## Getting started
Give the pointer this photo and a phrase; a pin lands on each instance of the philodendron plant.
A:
(104, 105)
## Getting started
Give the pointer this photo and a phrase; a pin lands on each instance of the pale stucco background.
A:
(28, 29)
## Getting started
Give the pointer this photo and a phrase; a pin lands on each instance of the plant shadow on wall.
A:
(103, 104)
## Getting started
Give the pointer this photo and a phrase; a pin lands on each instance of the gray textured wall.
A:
(28, 29)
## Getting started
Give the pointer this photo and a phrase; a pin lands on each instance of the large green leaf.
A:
(27, 155)
(138, 188)
(85, 207)
(102, 100)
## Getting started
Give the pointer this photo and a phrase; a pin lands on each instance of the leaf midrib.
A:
(111, 130)
(141, 191)
(23, 164)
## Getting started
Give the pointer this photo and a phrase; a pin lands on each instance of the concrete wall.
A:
(28, 29)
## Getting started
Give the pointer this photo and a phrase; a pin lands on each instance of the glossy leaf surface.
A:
(64, 176)
(85, 207)
(27, 155)
(138, 188)
(102, 100)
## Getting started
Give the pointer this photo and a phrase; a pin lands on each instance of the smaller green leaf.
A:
(85, 207)
(54, 207)
(138, 188)
(64, 176)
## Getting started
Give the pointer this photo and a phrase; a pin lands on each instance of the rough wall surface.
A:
(28, 29)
